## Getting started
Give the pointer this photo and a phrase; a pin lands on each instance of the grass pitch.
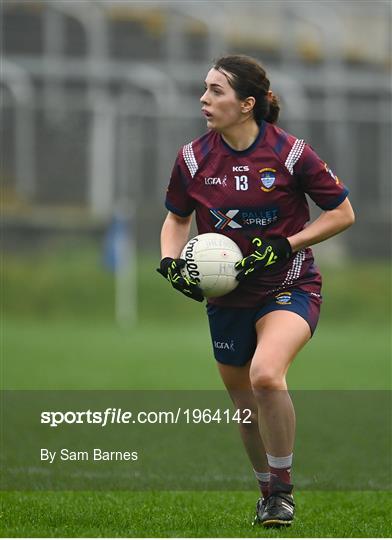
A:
(190, 514)
(59, 333)
(74, 355)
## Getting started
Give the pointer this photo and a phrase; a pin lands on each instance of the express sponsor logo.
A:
(244, 218)
(225, 218)
(267, 177)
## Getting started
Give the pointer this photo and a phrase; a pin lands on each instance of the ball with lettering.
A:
(210, 259)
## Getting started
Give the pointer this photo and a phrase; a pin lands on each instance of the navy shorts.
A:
(233, 330)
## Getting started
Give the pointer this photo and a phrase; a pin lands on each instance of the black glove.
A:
(171, 270)
(267, 255)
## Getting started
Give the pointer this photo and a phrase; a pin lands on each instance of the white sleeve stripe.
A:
(189, 158)
(294, 155)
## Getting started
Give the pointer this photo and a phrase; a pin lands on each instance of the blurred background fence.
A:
(98, 95)
(96, 99)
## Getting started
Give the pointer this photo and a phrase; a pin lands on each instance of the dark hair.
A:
(248, 78)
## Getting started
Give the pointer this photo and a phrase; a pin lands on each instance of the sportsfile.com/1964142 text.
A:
(180, 415)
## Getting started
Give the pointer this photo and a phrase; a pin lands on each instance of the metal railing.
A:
(138, 114)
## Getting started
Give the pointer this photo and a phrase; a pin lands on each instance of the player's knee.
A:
(266, 378)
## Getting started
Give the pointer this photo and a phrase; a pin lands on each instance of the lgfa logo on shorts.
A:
(267, 177)
(283, 298)
(224, 345)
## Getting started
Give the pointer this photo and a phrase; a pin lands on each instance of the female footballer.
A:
(259, 202)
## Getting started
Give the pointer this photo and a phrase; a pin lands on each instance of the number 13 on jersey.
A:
(241, 182)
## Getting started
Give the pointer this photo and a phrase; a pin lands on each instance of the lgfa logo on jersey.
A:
(215, 181)
(267, 177)
(283, 298)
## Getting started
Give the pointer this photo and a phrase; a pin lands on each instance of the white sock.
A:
(262, 476)
(280, 462)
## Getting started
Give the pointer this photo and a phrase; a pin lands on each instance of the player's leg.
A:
(280, 336)
(234, 341)
(237, 382)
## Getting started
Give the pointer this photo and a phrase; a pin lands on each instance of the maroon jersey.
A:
(259, 191)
